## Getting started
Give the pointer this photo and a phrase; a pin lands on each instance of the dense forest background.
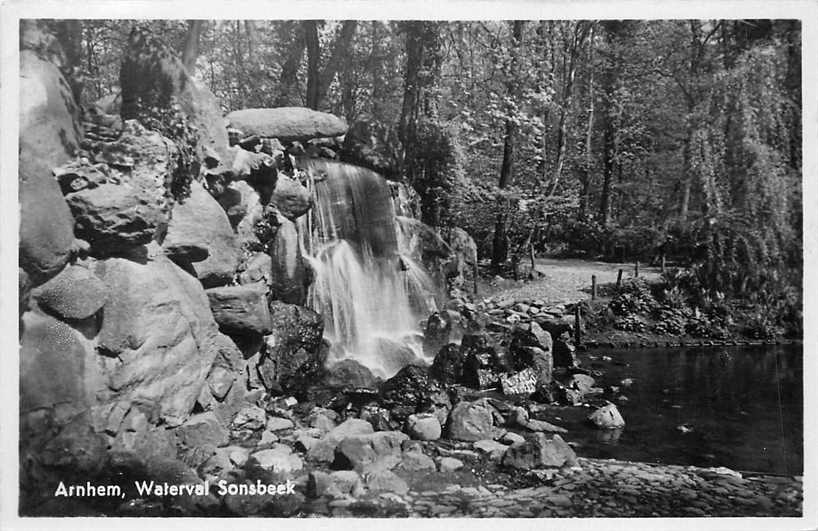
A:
(606, 139)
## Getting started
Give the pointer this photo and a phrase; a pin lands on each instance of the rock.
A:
(278, 424)
(449, 464)
(521, 383)
(512, 438)
(48, 137)
(607, 417)
(519, 416)
(349, 373)
(338, 484)
(423, 427)
(287, 124)
(203, 429)
(290, 197)
(250, 418)
(324, 449)
(258, 268)
(373, 145)
(581, 382)
(531, 347)
(267, 437)
(414, 461)
(463, 256)
(481, 366)
(412, 391)
(219, 381)
(493, 449)
(75, 293)
(381, 479)
(380, 418)
(289, 274)
(279, 459)
(359, 451)
(129, 208)
(447, 366)
(241, 309)
(564, 354)
(539, 451)
(200, 235)
(293, 358)
(471, 421)
(55, 366)
(76, 448)
(158, 336)
(238, 455)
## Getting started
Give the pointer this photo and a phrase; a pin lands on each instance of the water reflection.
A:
(740, 407)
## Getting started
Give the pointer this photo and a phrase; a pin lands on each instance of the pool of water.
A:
(739, 407)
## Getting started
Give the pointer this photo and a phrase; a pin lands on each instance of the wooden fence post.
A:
(593, 287)
(636, 269)
(663, 263)
(577, 326)
(619, 279)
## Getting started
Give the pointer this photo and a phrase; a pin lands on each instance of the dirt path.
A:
(567, 280)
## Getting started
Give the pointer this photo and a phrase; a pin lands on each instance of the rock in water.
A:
(287, 123)
(200, 236)
(471, 421)
(607, 417)
(540, 451)
(76, 293)
(241, 309)
(49, 132)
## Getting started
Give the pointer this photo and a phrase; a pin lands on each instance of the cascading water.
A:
(372, 297)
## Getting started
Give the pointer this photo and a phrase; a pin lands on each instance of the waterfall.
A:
(371, 296)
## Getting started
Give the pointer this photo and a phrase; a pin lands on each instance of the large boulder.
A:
(290, 276)
(293, 359)
(76, 293)
(125, 205)
(411, 391)
(158, 337)
(358, 451)
(447, 366)
(290, 197)
(324, 449)
(241, 309)
(471, 421)
(287, 123)
(482, 365)
(607, 417)
(531, 348)
(49, 136)
(349, 373)
(200, 236)
(372, 145)
(539, 451)
(56, 366)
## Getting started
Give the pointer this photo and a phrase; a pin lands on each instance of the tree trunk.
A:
(288, 83)
(589, 132)
(340, 57)
(191, 51)
(313, 63)
(500, 244)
